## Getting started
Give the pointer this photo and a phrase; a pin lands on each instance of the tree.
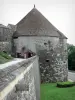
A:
(71, 57)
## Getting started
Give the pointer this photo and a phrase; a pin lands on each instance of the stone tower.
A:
(36, 33)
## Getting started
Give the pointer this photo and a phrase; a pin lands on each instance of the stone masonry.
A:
(53, 58)
(17, 82)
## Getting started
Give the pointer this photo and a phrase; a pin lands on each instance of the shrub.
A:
(65, 84)
(3, 60)
(5, 55)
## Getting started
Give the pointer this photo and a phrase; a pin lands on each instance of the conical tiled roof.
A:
(35, 24)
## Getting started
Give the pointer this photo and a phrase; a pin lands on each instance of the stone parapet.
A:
(17, 81)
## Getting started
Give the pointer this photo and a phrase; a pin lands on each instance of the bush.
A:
(5, 55)
(65, 84)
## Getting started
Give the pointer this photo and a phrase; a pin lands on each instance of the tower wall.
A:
(52, 52)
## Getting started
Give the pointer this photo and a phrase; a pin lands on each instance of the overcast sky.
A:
(61, 13)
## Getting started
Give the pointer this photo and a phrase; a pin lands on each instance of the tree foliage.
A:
(71, 57)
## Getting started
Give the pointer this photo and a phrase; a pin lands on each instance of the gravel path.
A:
(71, 75)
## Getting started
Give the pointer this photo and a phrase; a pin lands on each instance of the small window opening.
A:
(47, 60)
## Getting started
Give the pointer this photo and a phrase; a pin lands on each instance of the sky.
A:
(61, 13)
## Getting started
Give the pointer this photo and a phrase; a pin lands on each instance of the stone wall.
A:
(5, 34)
(6, 46)
(52, 52)
(53, 61)
(17, 81)
(6, 39)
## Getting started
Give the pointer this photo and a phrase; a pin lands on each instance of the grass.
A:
(51, 92)
(4, 57)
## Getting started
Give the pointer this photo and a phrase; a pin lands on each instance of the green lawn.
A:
(51, 92)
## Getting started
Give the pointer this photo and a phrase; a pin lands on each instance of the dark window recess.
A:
(6, 39)
(45, 43)
(65, 50)
(15, 37)
(64, 62)
(47, 60)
